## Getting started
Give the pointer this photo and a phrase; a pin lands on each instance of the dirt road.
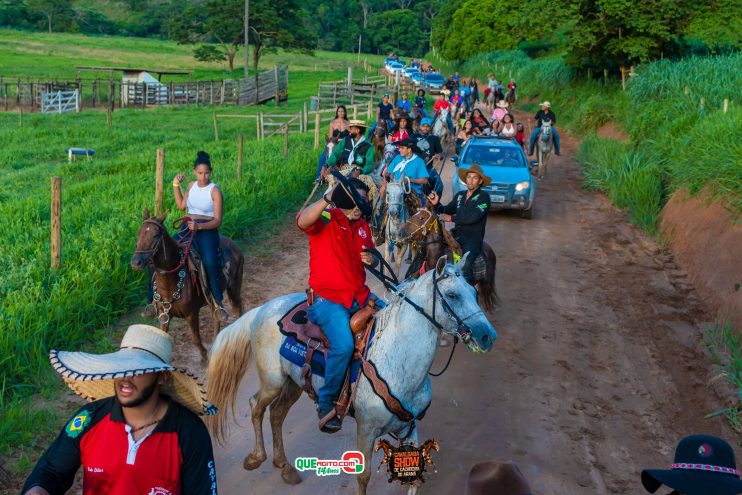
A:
(598, 369)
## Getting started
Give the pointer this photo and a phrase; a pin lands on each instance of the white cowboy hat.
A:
(446, 92)
(144, 349)
(545, 104)
(502, 104)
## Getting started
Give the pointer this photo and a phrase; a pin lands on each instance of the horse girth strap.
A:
(381, 388)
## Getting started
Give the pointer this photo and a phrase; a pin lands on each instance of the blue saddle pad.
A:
(296, 352)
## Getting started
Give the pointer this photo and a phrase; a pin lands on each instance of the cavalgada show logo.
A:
(351, 462)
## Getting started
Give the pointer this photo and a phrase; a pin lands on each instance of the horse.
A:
(396, 214)
(490, 100)
(402, 351)
(379, 138)
(425, 230)
(440, 128)
(544, 145)
(510, 98)
(175, 293)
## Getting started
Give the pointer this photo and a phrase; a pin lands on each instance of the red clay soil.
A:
(707, 242)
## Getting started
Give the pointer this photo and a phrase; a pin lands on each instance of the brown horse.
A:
(425, 231)
(176, 294)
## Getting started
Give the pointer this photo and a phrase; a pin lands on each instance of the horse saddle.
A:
(200, 277)
(306, 345)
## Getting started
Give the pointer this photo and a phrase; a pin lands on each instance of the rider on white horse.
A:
(408, 164)
(338, 233)
(442, 104)
(544, 114)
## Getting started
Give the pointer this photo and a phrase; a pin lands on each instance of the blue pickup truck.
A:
(504, 160)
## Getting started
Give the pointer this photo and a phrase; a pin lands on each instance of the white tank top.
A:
(508, 130)
(199, 200)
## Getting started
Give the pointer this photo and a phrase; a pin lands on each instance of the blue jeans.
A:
(334, 319)
(206, 242)
(534, 135)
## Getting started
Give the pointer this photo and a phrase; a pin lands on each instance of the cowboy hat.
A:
(357, 123)
(545, 104)
(476, 169)
(401, 114)
(346, 196)
(144, 349)
(502, 104)
(494, 478)
(704, 465)
(408, 142)
(445, 91)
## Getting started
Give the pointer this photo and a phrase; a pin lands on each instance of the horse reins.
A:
(188, 241)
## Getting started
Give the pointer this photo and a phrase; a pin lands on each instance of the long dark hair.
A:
(481, 115)
(344, 110)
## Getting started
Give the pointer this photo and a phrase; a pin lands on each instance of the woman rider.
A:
(203, 202)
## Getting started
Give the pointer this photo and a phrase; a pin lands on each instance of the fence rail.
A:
(265, 86)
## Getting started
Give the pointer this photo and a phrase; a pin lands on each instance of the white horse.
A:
(402, 350)
(396, 215)
(440, 128)
(544, 147)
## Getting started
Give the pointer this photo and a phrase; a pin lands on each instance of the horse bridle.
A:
(423, 226)
(161, 229)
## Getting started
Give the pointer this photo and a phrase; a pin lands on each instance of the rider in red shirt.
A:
(337, 235)
(443, 104)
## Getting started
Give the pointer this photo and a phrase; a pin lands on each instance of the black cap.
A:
(346, 195)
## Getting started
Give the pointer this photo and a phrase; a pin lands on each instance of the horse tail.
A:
(487, 294)
(228, 361)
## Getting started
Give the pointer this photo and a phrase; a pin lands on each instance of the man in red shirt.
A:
(338, 233)
(443, 104)
(142, 435)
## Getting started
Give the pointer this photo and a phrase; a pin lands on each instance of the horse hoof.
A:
(289, 475)
(252, 462)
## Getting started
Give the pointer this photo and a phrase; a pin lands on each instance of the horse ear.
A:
(146, 214)
(440, 265)
(462, 261)
(162, 217)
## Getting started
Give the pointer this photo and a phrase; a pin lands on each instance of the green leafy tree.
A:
(613, 33)
(396, 31)
(442, 25)
(209, 53)
(279, 23)
(54, 11)
(479, 26)
(717, 23)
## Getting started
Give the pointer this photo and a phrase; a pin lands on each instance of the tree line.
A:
(215, 27)
(595, 34)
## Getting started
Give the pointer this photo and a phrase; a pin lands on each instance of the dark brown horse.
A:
(176, 294)
(431, 238)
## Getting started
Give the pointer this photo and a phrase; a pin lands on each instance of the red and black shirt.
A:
(176, 458)
(336, 271)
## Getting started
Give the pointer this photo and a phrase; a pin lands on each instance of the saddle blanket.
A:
(295, 323)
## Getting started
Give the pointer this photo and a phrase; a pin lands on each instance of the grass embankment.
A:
(675, 140)
(76, 306)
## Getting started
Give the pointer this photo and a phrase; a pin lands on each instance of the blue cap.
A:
(426, 121)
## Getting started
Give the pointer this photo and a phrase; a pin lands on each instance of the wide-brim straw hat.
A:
(144, 349)
(502, 104)
(358, 123)
(495, 478)
(476, 169)
(545, 104)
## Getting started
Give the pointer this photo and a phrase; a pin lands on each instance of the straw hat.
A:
(476, 169)
(358, 123)
(144, 349)
(545, 104)
(446, 92)
(502, 104)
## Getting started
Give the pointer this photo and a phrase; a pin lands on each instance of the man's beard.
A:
(145, 396)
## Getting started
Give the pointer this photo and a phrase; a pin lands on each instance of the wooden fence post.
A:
(285, 141)
(240, 143)
(605, 77)
(726, 104)
(56, 213)
(159, 177)
(316, 130)
(216, 129)
(257, 127)
(261, 126)
(686, 90)
(275, 80)
(703, 103)
(623, 78)
(305, 118)
(370, 109)
(20, 118)
(108, 117)
(355, 112)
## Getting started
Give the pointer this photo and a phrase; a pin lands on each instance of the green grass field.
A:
(77, 306)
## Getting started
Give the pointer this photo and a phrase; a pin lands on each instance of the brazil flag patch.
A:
(77, 424)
